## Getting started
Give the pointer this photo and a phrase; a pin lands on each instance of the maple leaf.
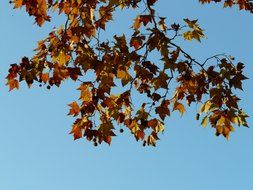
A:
(163, 110)
(188, 35)
(125, 76)
(205, 121)
(45, 77)
(137, 23)
(180, 107)
(61, 58)
(196, 32)
(13, 83)
(74, 109)
(77, 132)
(145, 19)
(85, 93)
(18, 3)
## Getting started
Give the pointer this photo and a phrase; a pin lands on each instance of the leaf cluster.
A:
(126, 65)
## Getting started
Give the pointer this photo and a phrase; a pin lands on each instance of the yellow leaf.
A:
(61, 58)
(134, 127)
(85, 93)
(55, 7)
(180, 107)
(188, 35)
(121, 5)
(124, 76)
(195, 33)
(221, 121)
(137, 23)
(235, 120)
(206, 107)
(159, 127)
(191, 23)
(205, 121)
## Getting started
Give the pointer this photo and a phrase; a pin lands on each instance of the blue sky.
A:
(37, 152)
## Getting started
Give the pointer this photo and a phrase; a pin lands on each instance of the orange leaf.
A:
(13, 83)
(180, 107)
(45, 77)
(76, 131)
(74, 110)
(17, 3)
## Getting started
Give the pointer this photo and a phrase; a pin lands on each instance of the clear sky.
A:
(38, 154)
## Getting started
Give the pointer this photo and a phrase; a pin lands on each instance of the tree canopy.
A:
(134, 80)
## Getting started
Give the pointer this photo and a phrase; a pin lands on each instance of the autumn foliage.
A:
(123, 69)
